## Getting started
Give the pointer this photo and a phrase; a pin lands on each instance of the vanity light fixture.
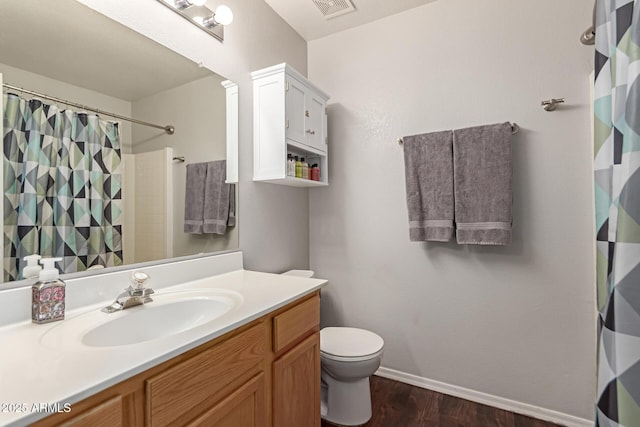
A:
(200, 15)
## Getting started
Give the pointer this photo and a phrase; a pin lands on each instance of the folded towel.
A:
(482, 171)
(194, 198)
(428, 170)
(216, 198)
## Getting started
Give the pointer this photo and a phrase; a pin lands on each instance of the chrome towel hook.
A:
(551, 104)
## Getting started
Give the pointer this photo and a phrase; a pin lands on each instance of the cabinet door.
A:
(296, 385)
(315, 122)
(245, 407)
(295, 110)
(106, 414)
(191, 387)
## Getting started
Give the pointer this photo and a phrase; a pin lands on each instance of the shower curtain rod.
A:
(168, 129)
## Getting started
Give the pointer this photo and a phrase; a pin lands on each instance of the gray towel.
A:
(232, 206)
(428, 170)
(194, 198)
(482, 179)
(216, 198)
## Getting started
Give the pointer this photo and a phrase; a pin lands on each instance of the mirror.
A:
(77, 55)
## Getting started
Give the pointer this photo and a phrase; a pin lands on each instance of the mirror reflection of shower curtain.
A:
(617, 197)
(62, 185)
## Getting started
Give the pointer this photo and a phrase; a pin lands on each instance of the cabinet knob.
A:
(306, 113)
(311, 132)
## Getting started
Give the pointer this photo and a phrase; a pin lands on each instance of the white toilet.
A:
(348, 357)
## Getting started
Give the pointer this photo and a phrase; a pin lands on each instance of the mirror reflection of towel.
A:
(194, 198)
(232, 206)
(209, 202)
(216, 198)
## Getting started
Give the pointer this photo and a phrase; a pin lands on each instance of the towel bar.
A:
(514, 129)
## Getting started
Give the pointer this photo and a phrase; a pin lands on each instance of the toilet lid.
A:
(349, 342)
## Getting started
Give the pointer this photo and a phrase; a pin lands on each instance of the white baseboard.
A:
(485, 399)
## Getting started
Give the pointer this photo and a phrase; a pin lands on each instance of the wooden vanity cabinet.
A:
(266, 373)
(297, 402)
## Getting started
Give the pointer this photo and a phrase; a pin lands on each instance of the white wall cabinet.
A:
(289, 117)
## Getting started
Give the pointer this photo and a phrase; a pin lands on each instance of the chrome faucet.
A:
(135, 294)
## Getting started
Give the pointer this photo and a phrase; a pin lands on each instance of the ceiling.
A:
(75, 44)
(305, 17)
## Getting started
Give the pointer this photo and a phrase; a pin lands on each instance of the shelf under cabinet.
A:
(295, 182)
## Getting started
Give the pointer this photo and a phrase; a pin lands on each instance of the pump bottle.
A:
(48, 294)
(32, 269)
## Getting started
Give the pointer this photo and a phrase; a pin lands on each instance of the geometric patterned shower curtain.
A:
(62, 187)
(617, 195)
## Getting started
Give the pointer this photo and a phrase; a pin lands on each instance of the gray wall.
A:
(514, 322)
(198, 112)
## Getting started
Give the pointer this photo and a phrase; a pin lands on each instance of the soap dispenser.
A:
(32, 269)
(48, 294)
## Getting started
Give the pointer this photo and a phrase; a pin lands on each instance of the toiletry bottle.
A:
(298, 167)
(315, 172)
(48, 294)
(32, 269)
(291, 165)
(305, 169)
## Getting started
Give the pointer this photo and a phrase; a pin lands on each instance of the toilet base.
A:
(346, 403)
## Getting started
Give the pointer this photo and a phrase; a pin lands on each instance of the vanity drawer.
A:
(295, 323)
(195, 385)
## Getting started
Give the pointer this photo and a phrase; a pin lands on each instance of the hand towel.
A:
(232, 206)
(194, 198)
(428, 169)
(216, 198)
(482, 174)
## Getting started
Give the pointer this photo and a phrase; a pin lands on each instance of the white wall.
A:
(129, 208)
(273, 219)
(56, 88)
(152, 218)
(515, 322)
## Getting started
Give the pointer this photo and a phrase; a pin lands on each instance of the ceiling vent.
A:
(332, 8)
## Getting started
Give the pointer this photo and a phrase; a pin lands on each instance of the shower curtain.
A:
(62, 187)
(617, 195)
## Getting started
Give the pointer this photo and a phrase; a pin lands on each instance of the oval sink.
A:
(169, 314)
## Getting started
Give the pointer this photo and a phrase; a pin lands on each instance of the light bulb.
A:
(224, 15)
(198, 2)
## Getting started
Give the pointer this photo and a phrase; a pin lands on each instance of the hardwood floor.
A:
(396, 404)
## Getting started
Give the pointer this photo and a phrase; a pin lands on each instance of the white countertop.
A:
(32, 374)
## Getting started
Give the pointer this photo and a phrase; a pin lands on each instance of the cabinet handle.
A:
(311, 132)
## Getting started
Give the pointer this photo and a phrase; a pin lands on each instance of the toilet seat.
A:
(350, 359)
(349, 344)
